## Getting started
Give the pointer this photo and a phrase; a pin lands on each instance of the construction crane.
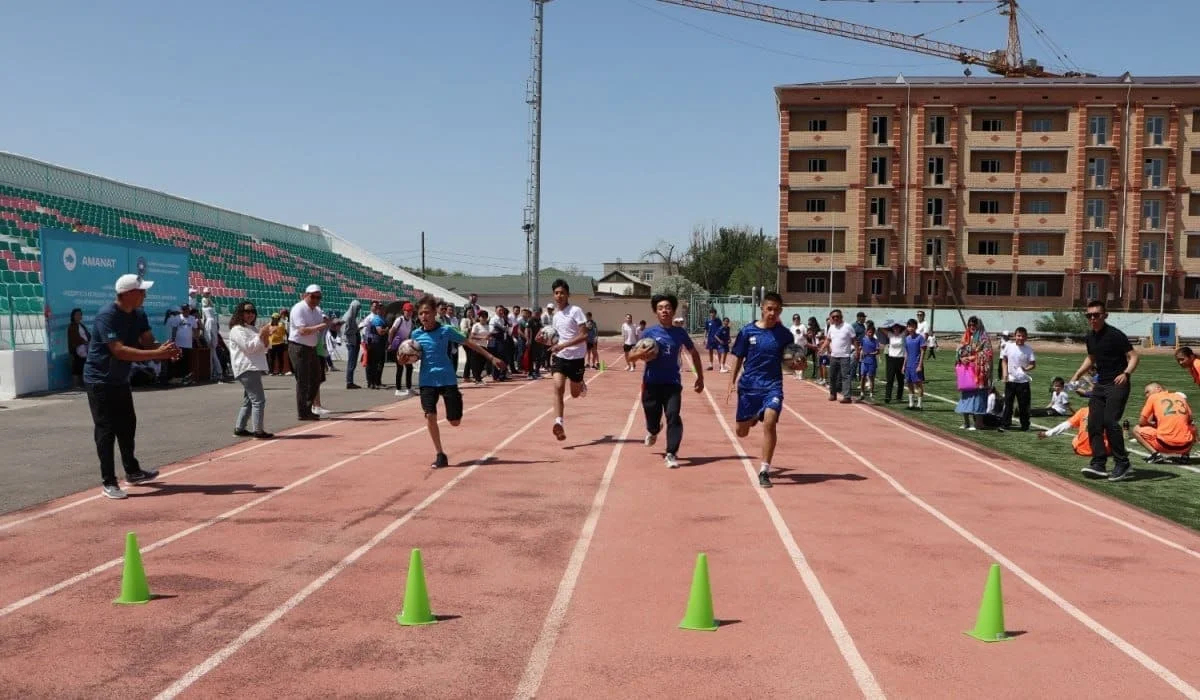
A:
(1008, 62)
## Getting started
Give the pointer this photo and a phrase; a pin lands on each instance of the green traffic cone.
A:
(416, 599)
(989, 625)
(603, 366)
(699, 614)
(134, 589)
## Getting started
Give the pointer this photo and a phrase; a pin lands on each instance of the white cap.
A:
(128, 283)
(549, 306)
(312, 289)
(207, 291)
(1003, 332)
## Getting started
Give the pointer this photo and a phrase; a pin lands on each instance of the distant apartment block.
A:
(1024, 193)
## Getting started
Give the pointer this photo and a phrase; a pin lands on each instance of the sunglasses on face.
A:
(1094, 315)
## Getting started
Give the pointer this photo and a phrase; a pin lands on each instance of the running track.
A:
(562, 569)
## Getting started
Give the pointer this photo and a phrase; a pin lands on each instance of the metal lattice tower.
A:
(533, 188)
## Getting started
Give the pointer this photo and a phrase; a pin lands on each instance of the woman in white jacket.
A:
(248, 357)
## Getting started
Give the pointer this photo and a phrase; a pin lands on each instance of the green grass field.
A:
(1169, 490)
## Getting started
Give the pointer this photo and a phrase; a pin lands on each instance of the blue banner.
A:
(79, 271)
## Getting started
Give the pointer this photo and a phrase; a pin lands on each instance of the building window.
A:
(1095, 213)
(1152, 213)
(816, 245)
(987, 247)
(1093, 256)
(937, 170)
(991, 125)
(877, 252)
(987, 288)
(1098, 172)
(879, 208)
(989, 206)
(1154, 130)
(1147, 291)
(1036, 288)
(879, 169)
(1037, 248)
(818, 125)
(814, 205)
(1150, 255)
(989, 165)
(933, 208)
(818, 165)
(814, 285)
(1098, 130)
(937, 130)
(1037, 206)
(931, 287)
(1041, 124)
(647, 276)
(1038, 165)
(1091, 290)
(879, 130)
(1154, 172)
(933, 250)
(877, 286)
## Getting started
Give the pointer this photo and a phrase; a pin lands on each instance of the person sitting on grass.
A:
(1060, 401)
(1081, 443)
(1165, 425)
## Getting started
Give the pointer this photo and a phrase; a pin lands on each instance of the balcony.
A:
(816, 261)
(1038, 263)
(816, 219)
(1044, 221)
(1000, 222)
(1050, 181)
(988, 263)
(819, 139)
(994, 181)
(1049, 139)
(825, 180)
(991, 139)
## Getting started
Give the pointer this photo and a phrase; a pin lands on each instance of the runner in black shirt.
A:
(1113, 358)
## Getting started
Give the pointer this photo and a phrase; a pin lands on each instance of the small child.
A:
(914, 364)
(1060, 401)
(868, 363)
(723, 338)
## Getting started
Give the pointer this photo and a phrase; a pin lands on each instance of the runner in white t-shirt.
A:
(568, 354)
(629, 337)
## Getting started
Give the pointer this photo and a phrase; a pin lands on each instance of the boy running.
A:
(438, 378)
(759, 346)
(662, 388)
(568, 354)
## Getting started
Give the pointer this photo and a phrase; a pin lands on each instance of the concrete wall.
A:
(22, 372)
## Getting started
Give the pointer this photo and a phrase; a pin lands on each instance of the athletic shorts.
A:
(823, 361)
(627, 348)
(451, 398)
(753, 404)
(912, 376)
(868, 368)
(1149, 434)
(571, 369)
(711, 344)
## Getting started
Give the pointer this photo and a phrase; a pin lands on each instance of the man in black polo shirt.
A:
(120, 336)
(1112, 357)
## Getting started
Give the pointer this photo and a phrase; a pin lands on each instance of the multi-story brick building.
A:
(1032, 193)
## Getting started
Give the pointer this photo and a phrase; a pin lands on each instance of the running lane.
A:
(494, 550)
(221, 579)
(620, 635)
(917, 582)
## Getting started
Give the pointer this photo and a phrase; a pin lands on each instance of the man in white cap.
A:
(307, 323)
(120, 336)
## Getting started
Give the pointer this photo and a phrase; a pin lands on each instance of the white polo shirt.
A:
(304, 315)
(841, 340)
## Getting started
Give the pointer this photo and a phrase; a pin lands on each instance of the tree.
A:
(666, 253)
(731, 260)
(681, 287)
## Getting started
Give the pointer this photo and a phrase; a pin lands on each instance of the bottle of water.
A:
(1072, 386)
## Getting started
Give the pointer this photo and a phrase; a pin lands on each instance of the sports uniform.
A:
(761, 385)
(569, 322)
(438, 377)
(662, 388)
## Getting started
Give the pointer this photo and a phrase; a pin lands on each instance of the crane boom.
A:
(1007, 62)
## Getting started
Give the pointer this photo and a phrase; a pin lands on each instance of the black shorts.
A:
(571, 369)
(451, 397)
(627, 348)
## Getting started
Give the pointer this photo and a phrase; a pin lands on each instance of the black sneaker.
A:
(441, 461)
(242, 432)
(1121, 472)
(764, 480)
(142, 476)
(1094, 471)
(1154, 458)
(263, 435)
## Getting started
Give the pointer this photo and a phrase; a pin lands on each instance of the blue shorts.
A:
(868, 368)
(912, 376)
(712, 344)
(753, 404)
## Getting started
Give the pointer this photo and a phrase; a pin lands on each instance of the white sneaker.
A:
(672, 461)
(650, 439)
(398, 392)
(113, 491)
(320, 411)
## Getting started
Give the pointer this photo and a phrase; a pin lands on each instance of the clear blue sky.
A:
(380, 119)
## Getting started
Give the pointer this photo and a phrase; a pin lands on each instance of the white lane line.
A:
(221, 655)
(841, 636)
(187, 467)
(539, 658)
(1108, 635)
(1041, 487)
(51, 590)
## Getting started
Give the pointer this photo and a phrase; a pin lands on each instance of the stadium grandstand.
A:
(235, 255)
